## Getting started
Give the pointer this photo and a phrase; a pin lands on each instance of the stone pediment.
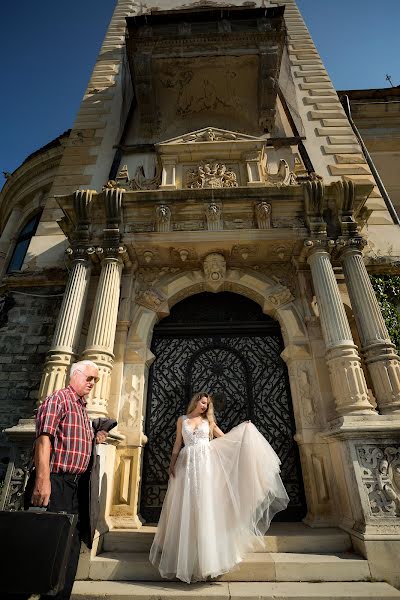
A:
(208, 144)
(210, 135)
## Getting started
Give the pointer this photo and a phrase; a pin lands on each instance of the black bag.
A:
(35, 549)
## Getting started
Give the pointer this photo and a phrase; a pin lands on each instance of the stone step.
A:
(115, 590)
(281, 537)
(278, 566)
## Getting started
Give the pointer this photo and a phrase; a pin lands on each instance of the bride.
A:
(223, 492)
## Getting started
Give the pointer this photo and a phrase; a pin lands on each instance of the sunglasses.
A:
(90, 378)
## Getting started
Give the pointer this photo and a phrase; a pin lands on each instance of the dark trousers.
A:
(64, 498)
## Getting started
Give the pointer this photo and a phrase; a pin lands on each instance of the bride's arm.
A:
(217, 432)
(176, 448)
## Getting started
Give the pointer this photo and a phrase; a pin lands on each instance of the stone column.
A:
(69, 324)
(102, 328)
(347, 378)
(380, 355)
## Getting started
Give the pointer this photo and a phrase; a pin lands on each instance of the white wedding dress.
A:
(221, 500)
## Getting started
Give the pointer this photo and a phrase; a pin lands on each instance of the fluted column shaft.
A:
(68, 328)
(347, 378)
(101, 335)
(381, 358)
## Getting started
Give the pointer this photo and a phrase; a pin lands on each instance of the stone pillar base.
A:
(384, 366)
(348, 383)
(365, 454)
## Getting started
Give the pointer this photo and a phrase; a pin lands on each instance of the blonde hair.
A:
(208, 414)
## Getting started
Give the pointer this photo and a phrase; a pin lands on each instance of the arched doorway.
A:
(224, 344)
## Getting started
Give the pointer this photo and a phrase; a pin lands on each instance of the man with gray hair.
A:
(63, 447)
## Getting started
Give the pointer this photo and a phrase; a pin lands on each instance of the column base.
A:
(348, 381)
(57, 365)
(384, 367)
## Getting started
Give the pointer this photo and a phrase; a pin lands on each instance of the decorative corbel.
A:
(314, 206)
(112, 233)
(345, 196)
(82, 203)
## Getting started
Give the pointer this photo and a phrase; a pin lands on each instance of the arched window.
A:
(22, 244)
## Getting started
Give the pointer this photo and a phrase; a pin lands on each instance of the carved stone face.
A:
(214, 269)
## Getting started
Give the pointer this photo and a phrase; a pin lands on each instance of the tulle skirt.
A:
(218, 505)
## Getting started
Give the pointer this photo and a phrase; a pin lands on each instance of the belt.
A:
(70, 476)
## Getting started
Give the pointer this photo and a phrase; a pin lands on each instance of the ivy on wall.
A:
(387, 290)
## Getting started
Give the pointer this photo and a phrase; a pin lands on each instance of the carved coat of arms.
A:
(211, 175)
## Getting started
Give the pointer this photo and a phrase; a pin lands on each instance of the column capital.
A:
(346, 246)
(80, 253)
(318, 245)
(114, 253)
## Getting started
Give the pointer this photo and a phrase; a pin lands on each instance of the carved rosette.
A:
(211, 174)
(380, 475)
(214, 271)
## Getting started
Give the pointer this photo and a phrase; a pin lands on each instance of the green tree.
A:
(387, 290)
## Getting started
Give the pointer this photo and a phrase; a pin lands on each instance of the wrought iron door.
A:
(236, 360)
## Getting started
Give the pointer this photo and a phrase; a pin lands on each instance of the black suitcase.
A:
(35, 548)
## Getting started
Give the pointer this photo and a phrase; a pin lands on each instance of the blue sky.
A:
(48, 49)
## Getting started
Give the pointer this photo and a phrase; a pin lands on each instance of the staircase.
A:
(298, 563)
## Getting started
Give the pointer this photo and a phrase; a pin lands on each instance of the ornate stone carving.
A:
(17, 476)
(209, 135)
(243, 252)
(263, 215)
(283, 176)
(380, 474)
(148, 255)
(280, 297)
(151, 298)
(148, 276)
(307, 392)
(213, 216)
(211, 174)
(163, 218)
(345, 192)
(111, 185)
(282, 273)
(214, 270)
(140, 181)
(314, 204)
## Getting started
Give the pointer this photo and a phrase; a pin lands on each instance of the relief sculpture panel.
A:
(380, 474)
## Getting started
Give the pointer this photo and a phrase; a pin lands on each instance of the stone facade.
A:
(26, 330)
(376, 114)
(236, 171)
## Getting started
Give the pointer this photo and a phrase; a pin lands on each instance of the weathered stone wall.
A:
(27, 321)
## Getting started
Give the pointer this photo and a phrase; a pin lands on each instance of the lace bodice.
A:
(199, 435)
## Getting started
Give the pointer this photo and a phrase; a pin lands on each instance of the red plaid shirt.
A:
(63, 416)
